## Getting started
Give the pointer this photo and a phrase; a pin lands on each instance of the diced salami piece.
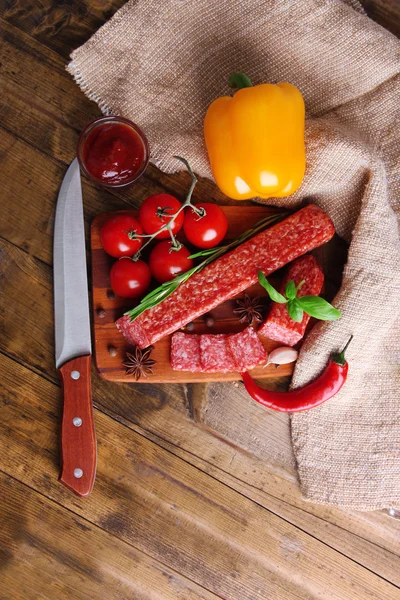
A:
(215, 355)
(233, 273)
(247, 349)
(278, 325)
(185, 352)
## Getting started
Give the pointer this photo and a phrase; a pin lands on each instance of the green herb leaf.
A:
(319, 308)
(290, 290)
(273, 293)
(295, 311)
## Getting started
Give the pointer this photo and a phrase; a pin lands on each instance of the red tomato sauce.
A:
(113, 153)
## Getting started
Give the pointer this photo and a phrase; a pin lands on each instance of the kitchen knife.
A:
(72, 336)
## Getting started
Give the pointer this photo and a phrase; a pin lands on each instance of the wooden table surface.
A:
(185, 506)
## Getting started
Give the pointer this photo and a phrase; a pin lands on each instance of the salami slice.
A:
(185, 352)
(215, 356)
(278, 325)
(231, 274)
(247, 349)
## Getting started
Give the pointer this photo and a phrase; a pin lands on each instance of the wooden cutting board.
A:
(110, 345)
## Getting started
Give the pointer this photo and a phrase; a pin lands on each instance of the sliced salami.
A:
(231, 274)
(247, 350)
(185, 352)
(278, 325)
(215, 355)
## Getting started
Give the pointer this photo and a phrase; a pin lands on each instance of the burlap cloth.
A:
(162, 63)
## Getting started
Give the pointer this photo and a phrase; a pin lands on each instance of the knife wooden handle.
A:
(78, 436)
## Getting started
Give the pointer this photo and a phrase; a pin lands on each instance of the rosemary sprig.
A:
(211, 254)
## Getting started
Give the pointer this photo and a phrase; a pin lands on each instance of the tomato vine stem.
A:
(200, 212)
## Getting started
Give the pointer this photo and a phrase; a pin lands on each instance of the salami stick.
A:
(231, 274)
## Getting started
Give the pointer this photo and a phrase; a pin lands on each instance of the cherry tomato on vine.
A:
(165, 263)
(114, 236)
(130, 278)
(207, 231)
(155, 211)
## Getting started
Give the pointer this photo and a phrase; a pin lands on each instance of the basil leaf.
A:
(273, 293)
(319, 308)
(295, 311)
(300, 284)
(290, 290)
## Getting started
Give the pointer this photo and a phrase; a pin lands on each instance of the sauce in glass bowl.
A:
(113, 151)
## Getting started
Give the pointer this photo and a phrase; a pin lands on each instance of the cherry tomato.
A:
(153, 214)
(166, 263)
(115, 239)
(207, 231)
(129, 278)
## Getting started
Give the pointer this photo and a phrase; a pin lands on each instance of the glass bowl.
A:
(113, 151)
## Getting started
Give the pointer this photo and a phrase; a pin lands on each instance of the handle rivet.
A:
(75, 374)
(77, 421)
(78, 473)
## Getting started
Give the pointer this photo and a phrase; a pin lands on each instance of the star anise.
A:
(248, 309)
(139, 362)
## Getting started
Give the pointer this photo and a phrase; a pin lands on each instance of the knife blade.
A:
(72, 337)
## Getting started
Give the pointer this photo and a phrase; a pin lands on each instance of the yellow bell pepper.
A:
(255, 140)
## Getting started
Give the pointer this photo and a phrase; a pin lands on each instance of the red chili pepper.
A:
(318, 391)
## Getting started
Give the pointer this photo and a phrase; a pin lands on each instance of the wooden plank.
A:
(33, 345)
(57, 139)
(159, 412)
(25, 227)
(61, 27)
(179, 516)
(51, 553)
(107, 310)
(58, 97)
(31, 183)
(164, 414)
(42, 71)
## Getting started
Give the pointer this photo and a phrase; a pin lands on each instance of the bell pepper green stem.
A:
(239, 81)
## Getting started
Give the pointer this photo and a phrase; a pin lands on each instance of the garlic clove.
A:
(282, 356)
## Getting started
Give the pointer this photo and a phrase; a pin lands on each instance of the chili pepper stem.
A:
(340, 358)
(347, 345)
